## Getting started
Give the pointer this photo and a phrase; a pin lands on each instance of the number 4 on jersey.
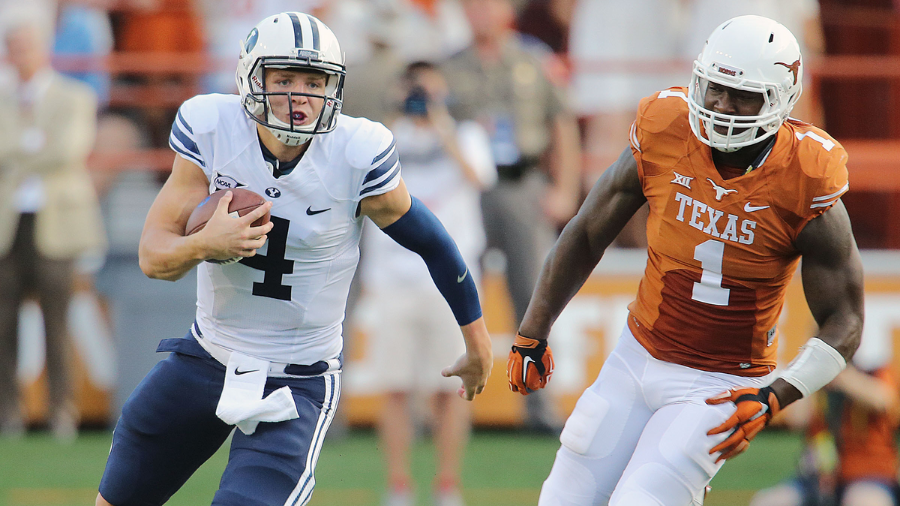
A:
(273, 263)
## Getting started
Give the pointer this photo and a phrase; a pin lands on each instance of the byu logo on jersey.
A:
(273, 192)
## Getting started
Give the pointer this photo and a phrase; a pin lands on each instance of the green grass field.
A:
(501, 469)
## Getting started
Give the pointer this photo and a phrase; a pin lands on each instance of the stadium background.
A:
(856, 82)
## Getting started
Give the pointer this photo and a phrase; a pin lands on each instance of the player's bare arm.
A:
(613, 200)
(833, 282)
(166, 253)
(832, 277)
(474, 367)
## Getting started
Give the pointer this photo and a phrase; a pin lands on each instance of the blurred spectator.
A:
(412, 331)
(160, 27)
(501, 84)
(390, 34)
(850, 458)
(368, 78)
(49, 214)
(620, 52)
(83, 31)
(428, 29)
(548, 21)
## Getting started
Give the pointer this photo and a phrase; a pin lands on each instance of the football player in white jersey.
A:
(264, 353)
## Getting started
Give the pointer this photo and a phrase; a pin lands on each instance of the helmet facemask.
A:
(258, 103)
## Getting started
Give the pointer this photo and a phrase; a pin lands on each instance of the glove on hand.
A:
(755, 408)
(529, 366)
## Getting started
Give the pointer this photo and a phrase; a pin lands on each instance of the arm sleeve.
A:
(421, 232)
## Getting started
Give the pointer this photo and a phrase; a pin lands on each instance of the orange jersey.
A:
(721, 252)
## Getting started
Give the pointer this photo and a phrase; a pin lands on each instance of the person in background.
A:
(446, 164)
(738, 193)
(500, 83)
(49, 212)
(850, 454)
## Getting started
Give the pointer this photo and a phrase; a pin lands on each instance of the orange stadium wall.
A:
(582, 338)
(587, 331)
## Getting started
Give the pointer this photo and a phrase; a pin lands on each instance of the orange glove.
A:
(755, 408)
(529, 366)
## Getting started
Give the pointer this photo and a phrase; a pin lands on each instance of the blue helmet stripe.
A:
(315, 31)
(298, 30)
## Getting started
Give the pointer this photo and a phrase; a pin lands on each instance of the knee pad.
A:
(584, 422)
(570, 481)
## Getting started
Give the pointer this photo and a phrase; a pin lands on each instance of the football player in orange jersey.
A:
(738, 193)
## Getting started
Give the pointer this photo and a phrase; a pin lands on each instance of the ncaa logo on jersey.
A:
(273, 192)
(226, 182)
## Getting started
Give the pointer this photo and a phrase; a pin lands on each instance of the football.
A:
(242, 202)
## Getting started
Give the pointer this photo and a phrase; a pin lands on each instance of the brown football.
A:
(243, 202)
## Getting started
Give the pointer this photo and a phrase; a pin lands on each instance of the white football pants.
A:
(637, 436)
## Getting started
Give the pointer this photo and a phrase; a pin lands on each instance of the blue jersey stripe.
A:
(186, 153)
(383, 153)
(186, 141)
(318, 438)
(387, 180)
(185, 123)
(382, 169)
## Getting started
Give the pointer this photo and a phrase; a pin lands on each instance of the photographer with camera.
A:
(445, 164)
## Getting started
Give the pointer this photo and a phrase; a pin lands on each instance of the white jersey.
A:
(285, 304)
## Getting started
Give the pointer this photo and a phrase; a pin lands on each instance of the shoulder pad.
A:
(660, 111)
(202, 112)
(368, 140)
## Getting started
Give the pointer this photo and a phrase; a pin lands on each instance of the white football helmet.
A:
(292, 40)
(750, 53)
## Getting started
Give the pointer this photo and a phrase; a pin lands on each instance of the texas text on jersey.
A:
(711, 299)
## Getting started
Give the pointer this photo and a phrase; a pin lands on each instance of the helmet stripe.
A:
(298, 30)
(315, 31)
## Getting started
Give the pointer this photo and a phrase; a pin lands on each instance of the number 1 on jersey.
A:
(709, 289)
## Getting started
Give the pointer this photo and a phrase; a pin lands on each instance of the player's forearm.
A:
(565, 270)
(168, 256)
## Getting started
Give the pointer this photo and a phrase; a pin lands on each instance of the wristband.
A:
(817, 364)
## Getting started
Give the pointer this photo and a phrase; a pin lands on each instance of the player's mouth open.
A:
(298, 117)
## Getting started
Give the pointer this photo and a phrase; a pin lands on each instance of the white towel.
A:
(242, 403)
